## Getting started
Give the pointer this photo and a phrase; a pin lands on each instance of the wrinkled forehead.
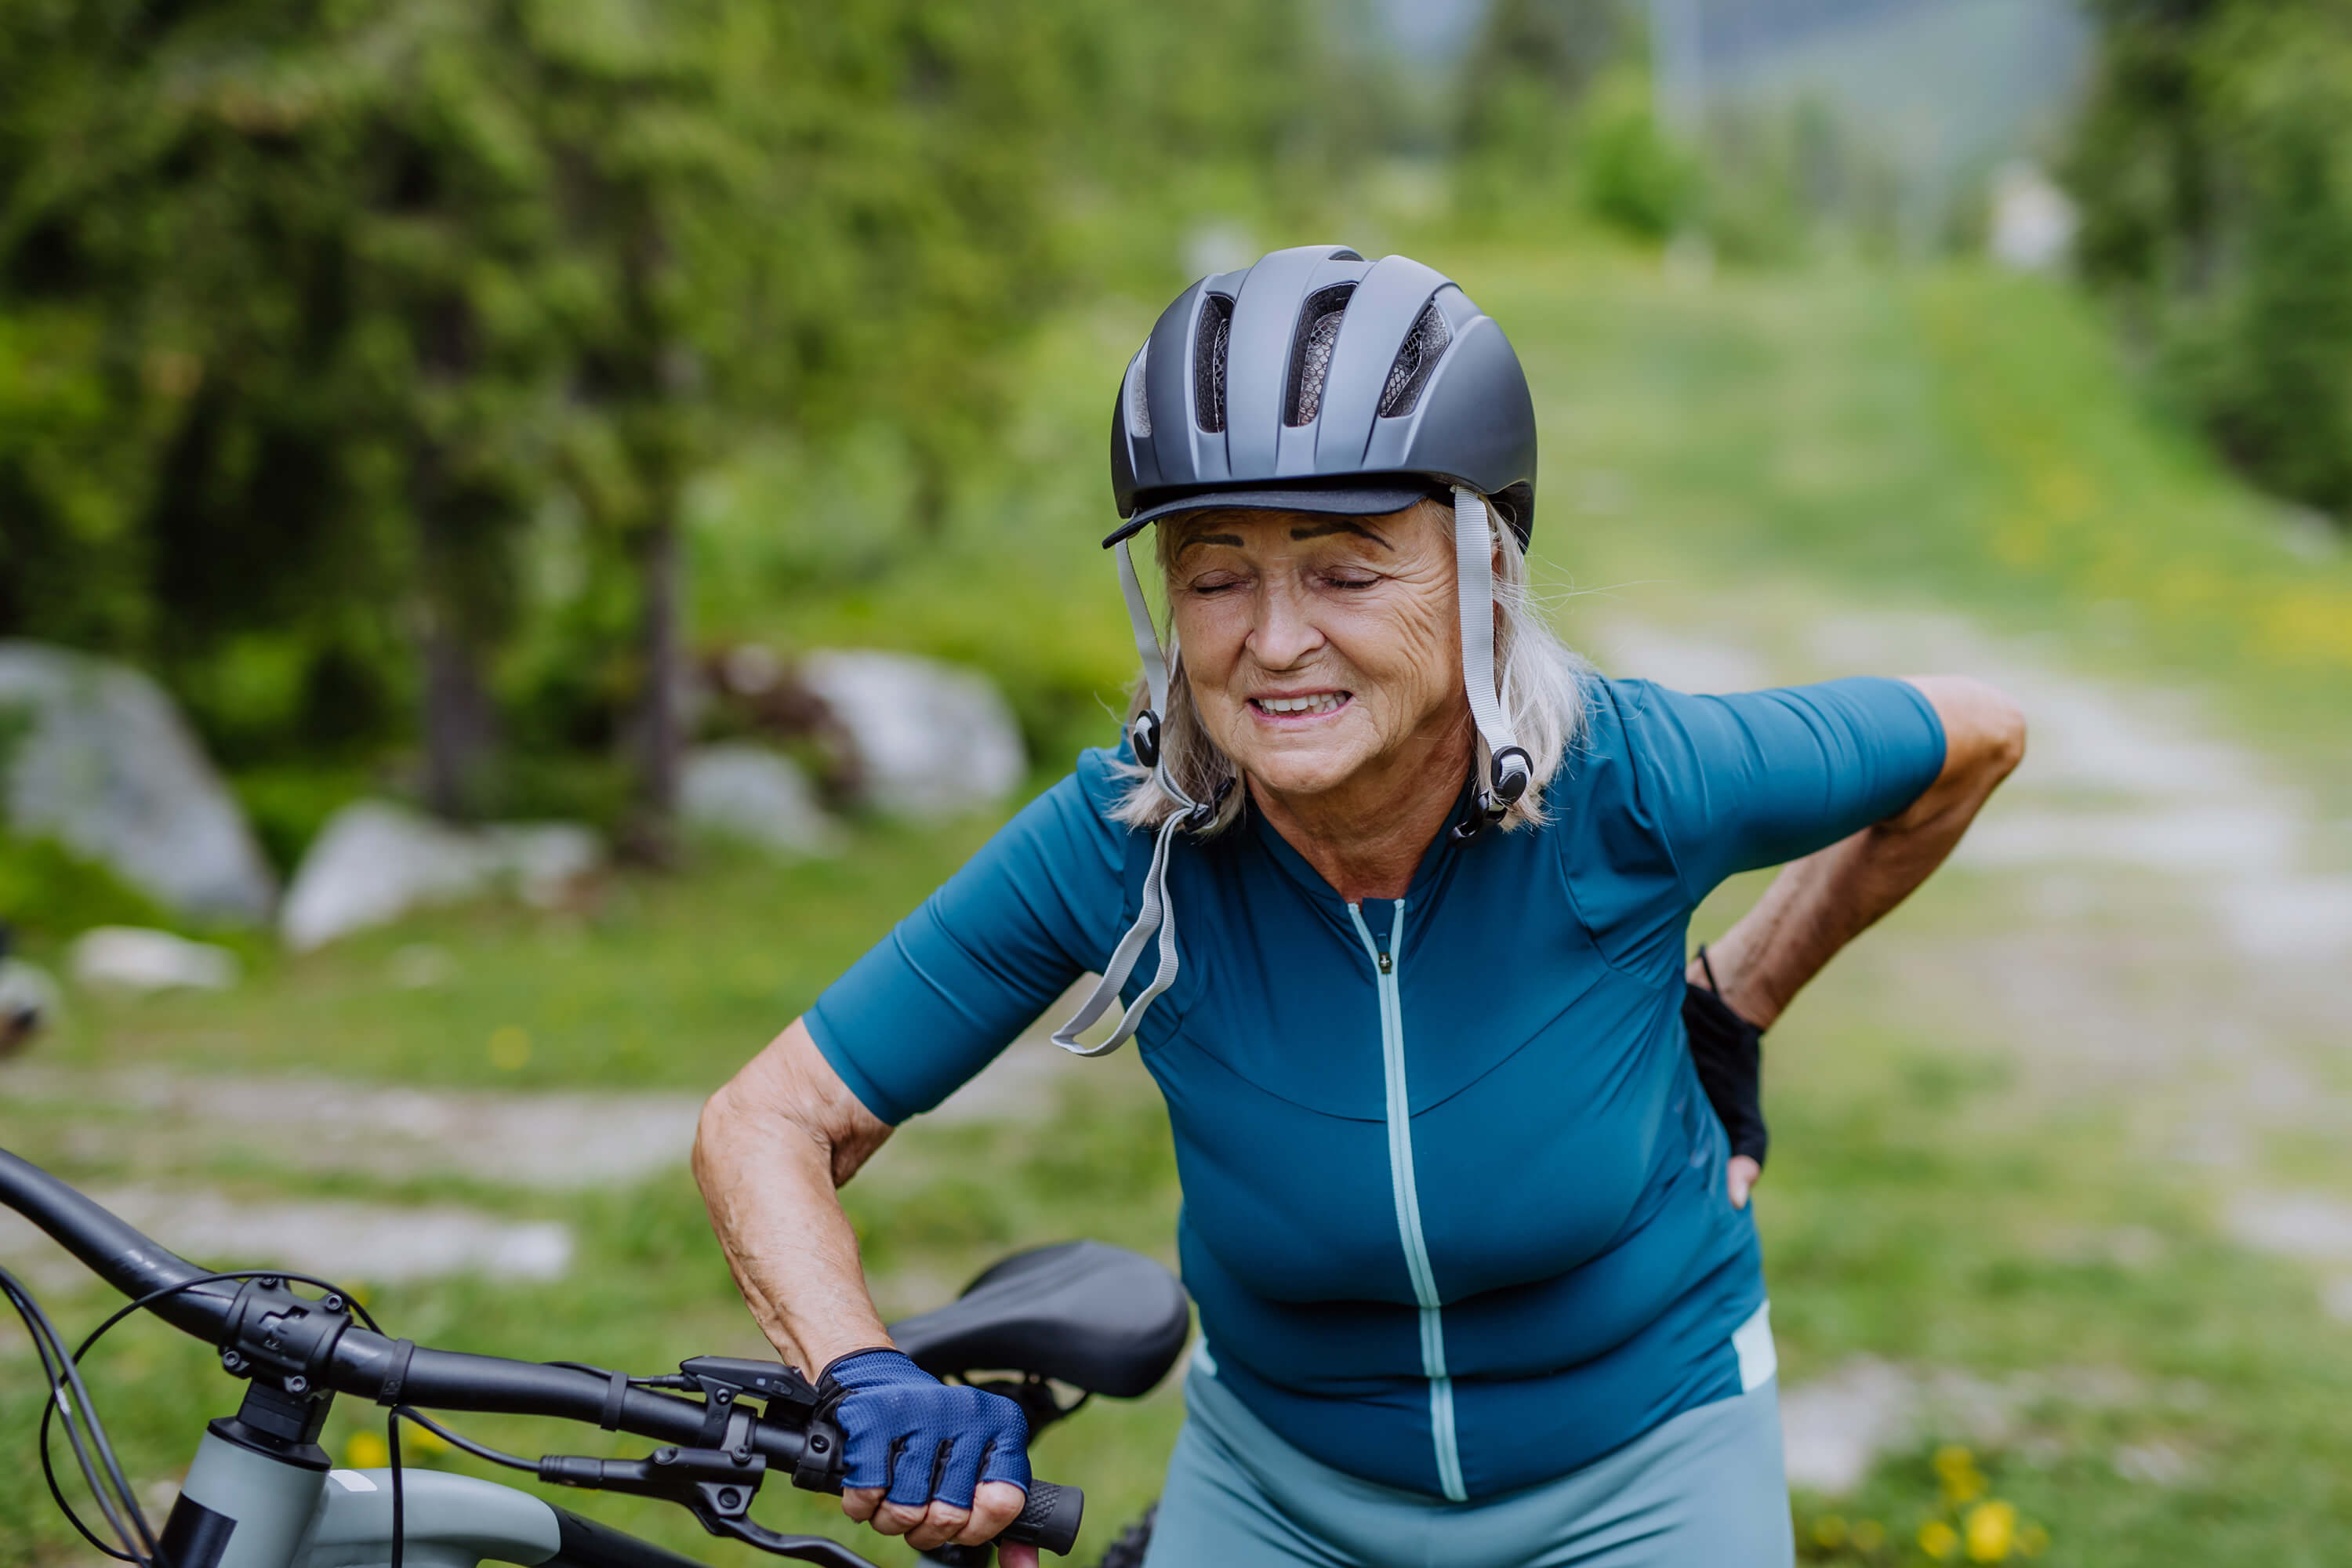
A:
(1258, 531)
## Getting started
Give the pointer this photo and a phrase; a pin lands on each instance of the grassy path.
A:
(2061, 1167)
(2059, 1164)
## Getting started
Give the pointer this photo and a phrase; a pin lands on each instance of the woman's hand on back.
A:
(1817, 905)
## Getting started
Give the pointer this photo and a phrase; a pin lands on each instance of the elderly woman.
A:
(1396, 893)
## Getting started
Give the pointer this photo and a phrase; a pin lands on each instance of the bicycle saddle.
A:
(1100, 1319)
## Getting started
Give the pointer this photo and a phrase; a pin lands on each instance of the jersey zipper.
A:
(1408, 1200)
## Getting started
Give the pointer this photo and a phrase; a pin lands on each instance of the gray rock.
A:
(94, 754)
(541, 863)
(375, 861)
(28, 1004)
(754, 795)
(930, 739)
(133, 958)
(2034, 222)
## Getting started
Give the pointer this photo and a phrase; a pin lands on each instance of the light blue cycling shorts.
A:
(1704, 1489)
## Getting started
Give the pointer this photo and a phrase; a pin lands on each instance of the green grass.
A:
(1790, 440)
(651, 982)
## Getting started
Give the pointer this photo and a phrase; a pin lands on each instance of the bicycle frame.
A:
(241, 1507)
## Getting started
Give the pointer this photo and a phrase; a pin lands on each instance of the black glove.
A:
(1728, 1051)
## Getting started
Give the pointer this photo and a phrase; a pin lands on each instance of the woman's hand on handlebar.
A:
(933, 1462)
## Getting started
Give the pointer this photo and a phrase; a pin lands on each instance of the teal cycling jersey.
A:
(1454, 1213)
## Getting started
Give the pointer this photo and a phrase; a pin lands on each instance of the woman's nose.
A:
(1285, 632)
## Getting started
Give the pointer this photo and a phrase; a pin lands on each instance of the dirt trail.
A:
(2180, 922)
(353, 1244)
(155, 1125)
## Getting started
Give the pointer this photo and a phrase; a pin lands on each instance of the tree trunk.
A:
(460, 724)
(658, 729)
(457, 527)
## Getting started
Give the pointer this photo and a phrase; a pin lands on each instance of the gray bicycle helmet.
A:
(1316, 381)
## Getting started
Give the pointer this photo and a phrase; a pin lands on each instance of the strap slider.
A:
(1144, 735)
(1201, 817)
(1514, 769)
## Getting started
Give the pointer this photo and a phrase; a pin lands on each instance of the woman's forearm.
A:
(1824, 901)
(771, 1147)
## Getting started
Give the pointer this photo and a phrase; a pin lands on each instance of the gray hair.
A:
(1540, 681)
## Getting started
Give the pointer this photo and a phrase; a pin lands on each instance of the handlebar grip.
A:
(1049, 1519)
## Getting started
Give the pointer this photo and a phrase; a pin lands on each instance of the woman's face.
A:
(1317, 644)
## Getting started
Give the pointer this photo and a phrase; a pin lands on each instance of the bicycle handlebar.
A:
(363, 1362)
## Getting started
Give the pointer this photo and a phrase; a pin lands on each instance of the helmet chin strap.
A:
(1502, 765)
(1501, 769)
(1155, 917)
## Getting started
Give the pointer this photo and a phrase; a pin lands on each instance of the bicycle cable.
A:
(149, 1559)
(480, 1450)
(67, 1392)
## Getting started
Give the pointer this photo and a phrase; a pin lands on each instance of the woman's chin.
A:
(1294, 776)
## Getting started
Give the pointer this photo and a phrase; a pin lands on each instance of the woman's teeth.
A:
(1322, 702)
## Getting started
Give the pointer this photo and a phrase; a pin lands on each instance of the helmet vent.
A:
(1422, 348)
(1209, 352)
(1139, 396)
(1310, 352)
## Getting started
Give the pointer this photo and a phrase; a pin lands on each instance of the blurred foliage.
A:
(2214, 166)
(1559, 127)
(1556, 119)
(332, 336)
(49, 891)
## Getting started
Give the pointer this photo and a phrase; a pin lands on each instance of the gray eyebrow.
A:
(1232, 539)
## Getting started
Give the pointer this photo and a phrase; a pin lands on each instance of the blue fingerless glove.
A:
(918, 1439)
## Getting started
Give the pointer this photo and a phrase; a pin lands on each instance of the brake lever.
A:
(715, 1484)
(711, 1508)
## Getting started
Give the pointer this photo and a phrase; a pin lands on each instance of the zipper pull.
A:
(1388, 966)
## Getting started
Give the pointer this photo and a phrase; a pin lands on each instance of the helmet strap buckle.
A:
(1143, 734)
(1512, 769)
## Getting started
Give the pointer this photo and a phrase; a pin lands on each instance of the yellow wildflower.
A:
(366, 1451)
(1938, 1539)
(1957, 1468)
(1992, 1529)
(1829, 1530)
(511, 1047)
